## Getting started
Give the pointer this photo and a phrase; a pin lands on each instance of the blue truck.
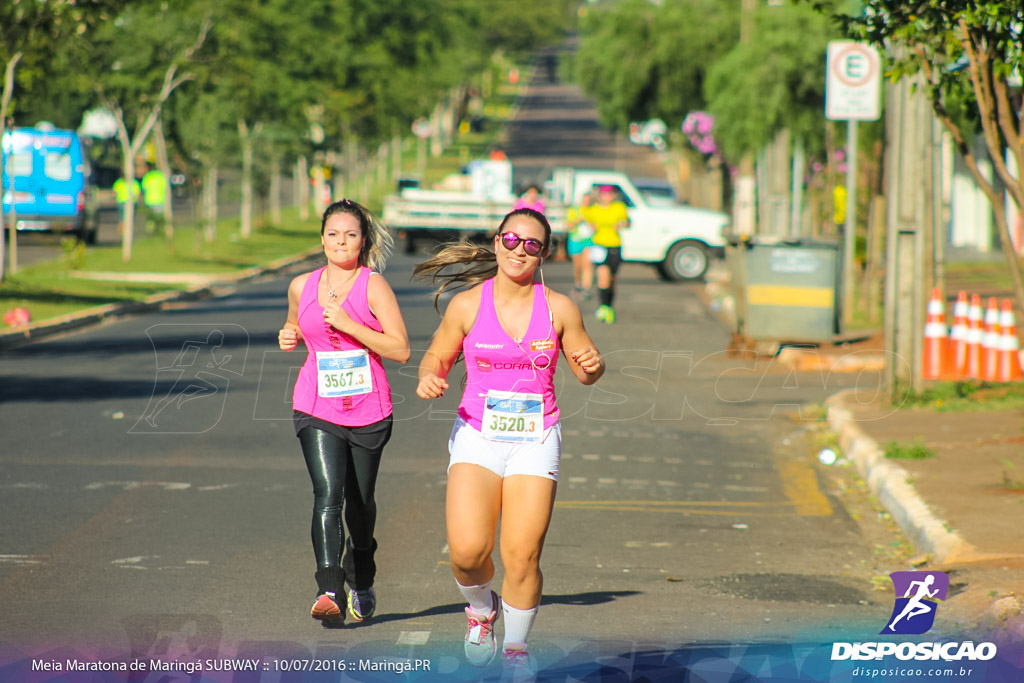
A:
(46, 182)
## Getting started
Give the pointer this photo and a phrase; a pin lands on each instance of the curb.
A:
(890, 485)
(43, 329)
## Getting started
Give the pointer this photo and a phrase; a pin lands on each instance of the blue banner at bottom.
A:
(589, 661)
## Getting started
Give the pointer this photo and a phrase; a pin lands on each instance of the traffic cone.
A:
(958, 337)
(935, 355)
(1008, 366)
(975, 335)
(991, 341)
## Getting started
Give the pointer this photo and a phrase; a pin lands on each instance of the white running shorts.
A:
(468, 445)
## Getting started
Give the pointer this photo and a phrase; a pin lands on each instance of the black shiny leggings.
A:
(344, 475)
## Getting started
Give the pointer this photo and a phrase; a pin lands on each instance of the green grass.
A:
(916, 450)
(966, 396)
(50, 289)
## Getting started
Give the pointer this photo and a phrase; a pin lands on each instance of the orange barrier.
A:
(978, 347)
(991, 341)
(935, 355)
(958, 337)
(974, 338)
(1008, 364)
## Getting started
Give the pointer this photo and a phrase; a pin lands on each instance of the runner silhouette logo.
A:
(917, 596)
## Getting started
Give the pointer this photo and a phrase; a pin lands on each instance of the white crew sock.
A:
(518, 623)
(478, 597)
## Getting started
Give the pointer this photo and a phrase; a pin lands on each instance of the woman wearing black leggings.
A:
(348, 318)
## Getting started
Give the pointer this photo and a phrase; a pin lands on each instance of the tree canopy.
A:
(774, 82)
(641, 60)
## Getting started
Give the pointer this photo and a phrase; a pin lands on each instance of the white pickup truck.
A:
(678, 240)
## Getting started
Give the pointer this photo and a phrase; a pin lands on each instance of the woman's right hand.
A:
(431, 386)
(287, 338)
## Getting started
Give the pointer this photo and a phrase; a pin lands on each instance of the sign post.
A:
(852, 89)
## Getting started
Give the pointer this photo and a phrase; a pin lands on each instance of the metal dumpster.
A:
(786, 290)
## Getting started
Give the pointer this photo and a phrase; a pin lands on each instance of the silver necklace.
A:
(330, 287)
(518, 340)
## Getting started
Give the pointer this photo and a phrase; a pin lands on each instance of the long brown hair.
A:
(479, 262)
(377, 239)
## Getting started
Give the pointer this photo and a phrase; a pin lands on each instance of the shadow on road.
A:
(575, 599)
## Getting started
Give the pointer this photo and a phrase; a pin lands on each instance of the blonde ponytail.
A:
(480, 265)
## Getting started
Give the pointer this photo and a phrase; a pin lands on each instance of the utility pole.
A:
(908, 152)
(744, 206)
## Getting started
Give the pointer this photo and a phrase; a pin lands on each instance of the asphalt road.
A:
(156, 504)
(152, 483)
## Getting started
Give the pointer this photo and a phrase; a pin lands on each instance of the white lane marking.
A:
(664, 482)
(591, 456)
(603, 480)
(617, 458)
(413, 638)
(673, 461)
(217, 487)
(746, 489)
(636, 482)
(19, 559)
(25, 485)
(444, 550)
(204, 562)
(131, 485)
(133, 561)
(577, 480)
(597, 433)
(566, 456)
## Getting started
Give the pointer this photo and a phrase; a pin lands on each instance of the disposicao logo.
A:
(917, 594)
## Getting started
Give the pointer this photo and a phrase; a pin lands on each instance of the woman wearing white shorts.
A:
(506, 443)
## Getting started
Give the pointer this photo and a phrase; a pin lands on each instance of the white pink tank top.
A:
(341, 381)
(496, 363)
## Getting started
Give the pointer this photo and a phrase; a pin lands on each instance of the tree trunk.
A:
(302, 184)
(128, 177)
(318, 188)
(5, 102)
(245, 136)
(396, 158)
(162, 163)
(275, 190)
(210, 203)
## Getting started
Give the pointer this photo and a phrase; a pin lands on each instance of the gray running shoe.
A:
(517, 665)
(361, 604)
(480, 644)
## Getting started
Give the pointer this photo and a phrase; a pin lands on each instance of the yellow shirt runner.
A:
(605, 221)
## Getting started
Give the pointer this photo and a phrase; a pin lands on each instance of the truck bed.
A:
(448, 211)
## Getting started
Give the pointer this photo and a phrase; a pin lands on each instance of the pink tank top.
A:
(356, 410)
(494, 361)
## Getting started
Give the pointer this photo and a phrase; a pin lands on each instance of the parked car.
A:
(45, 182)
(650, 132)
(658, 193)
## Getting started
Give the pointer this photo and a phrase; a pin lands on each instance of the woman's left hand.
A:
(336, 316)
(588, 358)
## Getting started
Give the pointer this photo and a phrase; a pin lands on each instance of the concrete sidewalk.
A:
(962, 508)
